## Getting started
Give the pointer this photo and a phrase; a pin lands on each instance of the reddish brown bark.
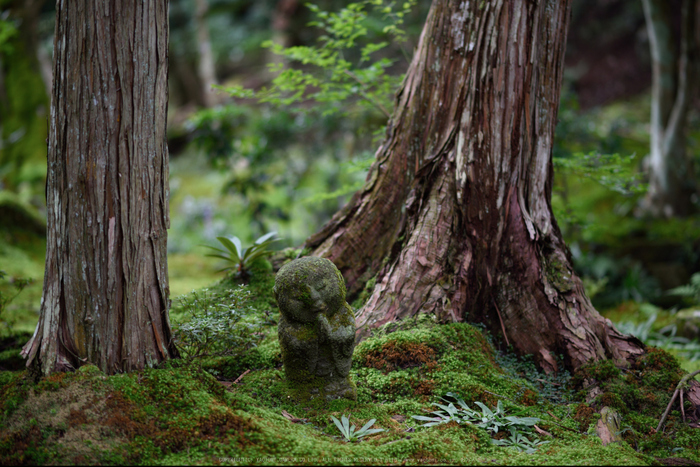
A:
(455, 217)
(105, 298)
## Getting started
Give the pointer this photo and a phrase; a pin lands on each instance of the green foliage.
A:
(271, 162)
(488, 419)
(691, 290)
(216, 324)
(23, 112)
(598, 179)
(7, 32)
(279, 158)
(551, 387)
(221, 131)
(519, 441)
(613, 280)
(241, 259)
(613, 171)
(662, 337)
(328, 76)
(349, 432)
(19, 284)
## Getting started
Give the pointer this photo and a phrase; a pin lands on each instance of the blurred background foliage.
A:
(272, 160)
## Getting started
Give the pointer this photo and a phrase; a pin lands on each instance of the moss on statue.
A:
(316, 330)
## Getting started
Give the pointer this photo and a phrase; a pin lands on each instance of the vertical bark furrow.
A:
(412, 282)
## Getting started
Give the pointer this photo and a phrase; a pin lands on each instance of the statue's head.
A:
(308, 286)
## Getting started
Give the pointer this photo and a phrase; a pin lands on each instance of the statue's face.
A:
(323, 296)
(307, 300)
(307, 288)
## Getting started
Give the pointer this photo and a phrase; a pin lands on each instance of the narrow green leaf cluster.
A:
(240, 259)
(519, 441)
(491, 420)
(349, 432)
(665, 337)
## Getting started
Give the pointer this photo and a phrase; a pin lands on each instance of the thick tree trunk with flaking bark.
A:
(672, 185)
(105, 298)
(455, 217)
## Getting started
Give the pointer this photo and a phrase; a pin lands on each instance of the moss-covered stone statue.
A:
(316, 329)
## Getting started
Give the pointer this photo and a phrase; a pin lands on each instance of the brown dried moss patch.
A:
(55, 423)
(424, 387)
(395, 355)
(130, 420)
(529, 398)
(584, 416)
(20, 447)
(476, 392)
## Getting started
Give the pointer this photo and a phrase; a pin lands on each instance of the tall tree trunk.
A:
(455, 217)
(105, 298)
(674, 80)
(205, 68)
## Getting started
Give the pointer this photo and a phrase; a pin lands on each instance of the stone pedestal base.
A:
(321, 390)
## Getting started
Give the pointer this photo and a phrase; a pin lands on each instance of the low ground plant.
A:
(241, 259)
(664, 337)
(691, 291)
(217, 324)
(350, 433)
(491, 420)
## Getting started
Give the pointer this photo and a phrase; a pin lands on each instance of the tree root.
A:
(680, 388)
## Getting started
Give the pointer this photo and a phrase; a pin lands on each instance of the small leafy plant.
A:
(217, 324)
(349, 432)
(519, 441)
(491, 420)
(664, 338)
(240, 259)
(690, 291)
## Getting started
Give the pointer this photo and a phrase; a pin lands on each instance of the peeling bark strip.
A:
(105, 298)
(455, 216)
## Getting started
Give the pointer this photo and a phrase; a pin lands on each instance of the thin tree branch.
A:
(241, 377)
(500, 318)
(682, 408)
(367, 97)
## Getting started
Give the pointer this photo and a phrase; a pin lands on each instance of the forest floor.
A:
(237, 410)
